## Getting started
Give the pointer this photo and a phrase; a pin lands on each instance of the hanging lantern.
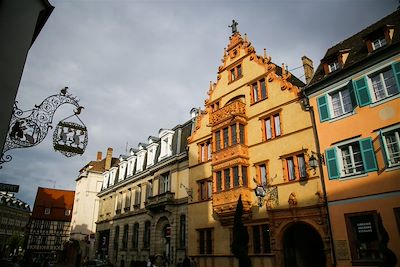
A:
(70, 138)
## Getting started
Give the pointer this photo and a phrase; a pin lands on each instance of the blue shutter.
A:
(331, 162)
(352, 92)
(368, 155)
(396, 71)
(323, 109)
(362, 92)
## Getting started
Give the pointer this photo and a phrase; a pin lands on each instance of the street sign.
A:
(9, 187)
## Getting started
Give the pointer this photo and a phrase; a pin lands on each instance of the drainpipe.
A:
(309, 108)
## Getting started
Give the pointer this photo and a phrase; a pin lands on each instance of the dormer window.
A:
(47, 211)
(379, 42)
(166, 143)
(333, 66)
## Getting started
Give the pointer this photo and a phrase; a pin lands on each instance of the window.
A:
(378, 86)
(244, 175)
(128, 196)
(227, 178)
(235, 73)
(46, 226)
(164, 185)
(138, 197)
(205, 189)
(261, 239)
(182, 231)
(262, 174)
(241, 133)
(271, 127)
(218, 178)
(125, 237)
(43, 240)
(333, 66)
(363, 236)
(351, 158)
(146, 235)
(391, 142)
(116, 237)
(218, 140)
(258, 91)
(47, 211)
(149, 189)
(205, 151)
(383, 84)
(67, 212)
(226, 137)
(341, 102)
(295, 167)
(205, 241)
(135, 236)
(379, 42)
(235, 171)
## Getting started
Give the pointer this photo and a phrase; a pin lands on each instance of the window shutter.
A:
(322, 102)
(396, 71)
(361, 88)
(368, 155)
(352, 92)
(380, 152)
(333, 169)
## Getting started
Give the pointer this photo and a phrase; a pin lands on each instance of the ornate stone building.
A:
(253, 133)
(143, 202)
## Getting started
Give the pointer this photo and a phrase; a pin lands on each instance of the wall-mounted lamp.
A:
(260, 194)
(314, 161)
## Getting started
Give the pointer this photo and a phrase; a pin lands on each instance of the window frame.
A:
(258, 92)
(235, 73)
(274, 131)
(381, 39)
(259, 173)
(296, 174)
(207, 185)
(352, 236)
(262, 244)
(205, 237)
(333, 65)
(385, 151)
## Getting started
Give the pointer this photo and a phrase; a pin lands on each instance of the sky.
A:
(138, 66)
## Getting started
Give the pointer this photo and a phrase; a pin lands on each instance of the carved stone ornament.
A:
(227, 112)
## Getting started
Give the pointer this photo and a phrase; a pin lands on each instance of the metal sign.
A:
(9, 187)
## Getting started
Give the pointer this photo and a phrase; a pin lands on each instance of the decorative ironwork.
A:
(266, 193)
(29, 128)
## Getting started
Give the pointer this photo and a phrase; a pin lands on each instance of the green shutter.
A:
(331, 162)
(362, 92)
(352, 92)
(323, 109)
(368, 155)
(396, 71)
(383, 148)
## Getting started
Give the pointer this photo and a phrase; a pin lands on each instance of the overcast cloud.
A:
(138, 66)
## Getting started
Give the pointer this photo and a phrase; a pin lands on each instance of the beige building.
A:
(253, 133)
(143, 202)
(86, 204)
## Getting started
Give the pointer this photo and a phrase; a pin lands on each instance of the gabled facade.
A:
(14, 217)
(86, 203)
(253, 133)
(50, 223)
(143, 214)
(355, 97)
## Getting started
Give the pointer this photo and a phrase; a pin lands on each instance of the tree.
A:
(239, 246)
(14, 242)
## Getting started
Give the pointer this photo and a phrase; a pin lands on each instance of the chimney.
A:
(99, 155)
(308, 68)
(108, 158)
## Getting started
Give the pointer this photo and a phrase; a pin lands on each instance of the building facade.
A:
(143, 202)
(253, 136)
(50, 224)
(86, 204)
(355, 97)
(14, 216)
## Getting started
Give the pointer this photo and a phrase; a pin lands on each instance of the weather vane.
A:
(234, 26)
(29, 130)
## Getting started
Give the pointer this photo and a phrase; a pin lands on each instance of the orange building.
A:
(355, 97)
(253, 133)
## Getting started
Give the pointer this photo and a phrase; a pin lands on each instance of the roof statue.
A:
(234, 26)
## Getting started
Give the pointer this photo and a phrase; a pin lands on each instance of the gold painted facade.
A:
(255, 127)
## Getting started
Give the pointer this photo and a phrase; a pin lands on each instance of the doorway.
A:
(303, 247)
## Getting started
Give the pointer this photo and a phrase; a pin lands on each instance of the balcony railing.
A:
(230, 110)
(159, 201)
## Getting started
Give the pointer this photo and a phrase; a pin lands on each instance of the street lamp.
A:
(260, 194)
